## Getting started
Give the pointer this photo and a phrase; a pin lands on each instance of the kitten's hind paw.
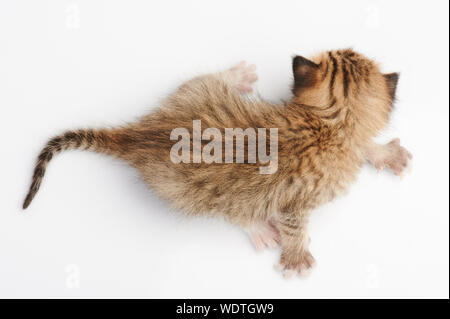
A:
(300, 264)
(264, 234)
(241, 77)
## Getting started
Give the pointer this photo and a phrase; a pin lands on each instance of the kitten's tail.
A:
(103, 141)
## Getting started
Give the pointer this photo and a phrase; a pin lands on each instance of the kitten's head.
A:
(347, 79)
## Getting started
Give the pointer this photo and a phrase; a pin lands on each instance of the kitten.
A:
(340, 102)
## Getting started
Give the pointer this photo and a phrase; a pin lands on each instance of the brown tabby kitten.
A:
(341, 101)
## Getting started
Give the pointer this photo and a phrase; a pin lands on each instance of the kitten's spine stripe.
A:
(97, 140)
(325, 73)
(333, 73)
(346, 77)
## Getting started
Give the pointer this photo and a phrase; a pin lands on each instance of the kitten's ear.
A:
(305, 72)
(392, 80)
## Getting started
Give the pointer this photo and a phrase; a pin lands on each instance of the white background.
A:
(94, 229)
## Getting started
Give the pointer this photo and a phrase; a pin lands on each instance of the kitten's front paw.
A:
(394, 157)
(293, 264)
(241, 77)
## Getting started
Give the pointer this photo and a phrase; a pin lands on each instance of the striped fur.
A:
(341, 101)
(96, 140)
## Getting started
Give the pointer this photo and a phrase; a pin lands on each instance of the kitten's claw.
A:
(241, 77)
(264, 234)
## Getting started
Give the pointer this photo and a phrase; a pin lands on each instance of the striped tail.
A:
(97, 140)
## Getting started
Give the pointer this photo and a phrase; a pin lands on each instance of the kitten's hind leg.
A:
(295, 256)
(264, 234)
(240, 77)
(209, 88)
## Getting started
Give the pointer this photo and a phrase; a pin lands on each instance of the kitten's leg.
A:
(240, 77)
(295, 256)
(264, 234)
(391, 155)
